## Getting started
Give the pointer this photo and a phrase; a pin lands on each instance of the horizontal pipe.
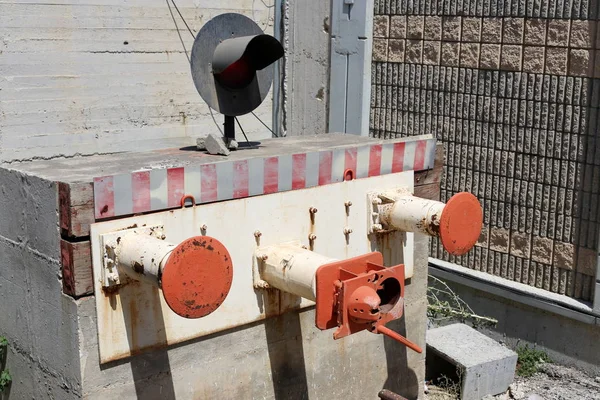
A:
(291, 268)
(142, 257)
(413, 214)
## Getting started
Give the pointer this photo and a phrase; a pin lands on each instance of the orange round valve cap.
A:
(197, 277)
(460, 224)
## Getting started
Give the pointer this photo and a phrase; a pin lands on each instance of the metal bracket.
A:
(111, 277)
(374, 201)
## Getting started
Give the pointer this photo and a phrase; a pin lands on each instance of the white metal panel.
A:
(137, 317)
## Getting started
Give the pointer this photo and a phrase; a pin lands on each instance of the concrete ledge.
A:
(514, 291)
(485, 367)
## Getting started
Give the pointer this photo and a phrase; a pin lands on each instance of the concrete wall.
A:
(86, 77)
(305, 73)
(512, 88)
(39, 321)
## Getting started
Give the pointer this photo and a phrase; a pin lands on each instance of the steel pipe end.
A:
(460, 223)
(197, 277)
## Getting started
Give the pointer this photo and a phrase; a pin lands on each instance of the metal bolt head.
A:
(348, 203)
(203, 227)
(377, 227)
(257, 234)
(377, 201)
(264, 257)
(313, 210)
(312, 236)
(347, 230)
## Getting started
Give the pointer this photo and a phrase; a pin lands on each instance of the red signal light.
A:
(238, 75)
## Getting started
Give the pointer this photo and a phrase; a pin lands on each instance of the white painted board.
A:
(137, 318)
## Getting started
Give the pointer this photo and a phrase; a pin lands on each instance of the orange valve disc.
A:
(197, 277)
(460, 224)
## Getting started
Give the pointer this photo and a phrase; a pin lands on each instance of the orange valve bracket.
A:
(197, 277)
(360, 294)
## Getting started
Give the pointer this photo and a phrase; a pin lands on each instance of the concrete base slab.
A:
(483, 366)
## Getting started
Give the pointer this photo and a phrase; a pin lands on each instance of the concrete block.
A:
(398, 26)
(395, 51)
(433, 28)
(542, 250)
(450, 54)
(414, 27)
(380, 49)
(414, 51)
(471, 29)
(535, 31)
(564, 255)
(513, 31)
(490, 56)
(451, 28)
(556, 61)
(583, 34)
(490, 30)
(580, 62)
(511, 57)
(431, 52)
(381, 26)
(469, 55)
(558, 32)
(486, 367)
(520, 244)
(499, 239)
(533, 59)
(587, 260)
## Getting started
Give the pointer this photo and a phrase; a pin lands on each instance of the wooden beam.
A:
(77, 274)
(76, 204)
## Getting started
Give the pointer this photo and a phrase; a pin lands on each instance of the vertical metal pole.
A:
(596, 304)
(229, 126)
(277, 104)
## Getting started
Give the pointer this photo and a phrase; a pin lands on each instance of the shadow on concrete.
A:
(151, 370)
(286, 352)
(401, 379)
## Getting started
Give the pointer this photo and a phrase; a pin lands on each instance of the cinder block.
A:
(491, 30)
(499, 239)
(431, 52)
(396, 50)
(414, 27)
(583, 34)
(580, 62)
(511, 57)
(520, 244)
(469, 55)
(485, 366)
(533, 59)
(471, 29)
(542, 250)
(513, 31)
(451, 28)
(414, 51)
(433, 28)
(381, 26)
(556, 61)
(587, 260)
(535, 31)
(380, 48)
(558, 32)
(398, 26)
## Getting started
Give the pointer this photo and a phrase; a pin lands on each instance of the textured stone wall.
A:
(512, 89)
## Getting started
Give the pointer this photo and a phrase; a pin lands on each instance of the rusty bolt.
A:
(312, 236)
(377, 227)
(257, 234)
(377, 201)
(313, 210)
(348, 203)
(347, 230)
(264, 257)
(203, 227)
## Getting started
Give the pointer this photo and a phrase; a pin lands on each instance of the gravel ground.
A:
(552, 382)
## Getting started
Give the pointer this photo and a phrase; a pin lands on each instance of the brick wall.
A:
(512, 89)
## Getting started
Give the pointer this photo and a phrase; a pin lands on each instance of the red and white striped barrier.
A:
(159, 189)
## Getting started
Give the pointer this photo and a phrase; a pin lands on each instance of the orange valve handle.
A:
(396, 336)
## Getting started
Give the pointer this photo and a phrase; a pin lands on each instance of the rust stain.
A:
(138, 267)
(104, 209)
